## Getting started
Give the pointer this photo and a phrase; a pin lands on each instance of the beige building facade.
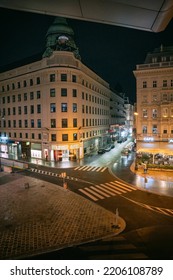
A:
(56, 108)
(154, 116)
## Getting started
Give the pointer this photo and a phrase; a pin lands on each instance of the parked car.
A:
(108, 148)
(101, 151)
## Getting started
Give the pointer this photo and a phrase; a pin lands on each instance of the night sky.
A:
(111, 51)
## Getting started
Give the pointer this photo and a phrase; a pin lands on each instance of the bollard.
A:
(26, 185)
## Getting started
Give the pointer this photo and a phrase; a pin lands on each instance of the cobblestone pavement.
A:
(45, 217)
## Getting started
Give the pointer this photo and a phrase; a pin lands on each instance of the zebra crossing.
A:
(106, 190)
(161, 210)
(90, 168)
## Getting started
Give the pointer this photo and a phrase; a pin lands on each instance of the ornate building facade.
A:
(55, 108)
(154, 116)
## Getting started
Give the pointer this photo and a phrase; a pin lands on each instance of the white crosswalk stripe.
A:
(106, 190)
(90, 168)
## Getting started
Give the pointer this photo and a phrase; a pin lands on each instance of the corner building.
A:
(55, 108)
(154, 116)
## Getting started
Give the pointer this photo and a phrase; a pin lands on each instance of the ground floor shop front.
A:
(51, 151)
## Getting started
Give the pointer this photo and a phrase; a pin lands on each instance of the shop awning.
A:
(156, 151)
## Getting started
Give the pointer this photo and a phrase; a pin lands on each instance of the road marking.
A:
(91, 168)
(108, 189)
(116, 188)
(99, 191)
(103, 189)
(103, 169)
(97, 170)
(125, 185)
(96, 194)
(89, 195)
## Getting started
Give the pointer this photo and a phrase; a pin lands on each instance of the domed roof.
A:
(60, 26)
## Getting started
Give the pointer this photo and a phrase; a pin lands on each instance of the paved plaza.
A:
(45, 217)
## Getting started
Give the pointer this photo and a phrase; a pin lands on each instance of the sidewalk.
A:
(46, 217)
(155, 174)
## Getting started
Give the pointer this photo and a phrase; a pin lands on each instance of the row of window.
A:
(14, 98)
(164, 113)
(155, 129)
(162, 59)
(52, 78)
(36, 81)
(165, 83)
(64, 123)
(65, 136)
(14, 110)
(163, 97)
(64, 93)
(53, 108)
